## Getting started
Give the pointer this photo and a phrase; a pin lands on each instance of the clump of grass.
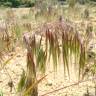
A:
(60, 40)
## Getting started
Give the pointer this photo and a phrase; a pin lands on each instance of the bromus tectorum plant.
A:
(4, 41)
(31, 70)
(57, 40)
